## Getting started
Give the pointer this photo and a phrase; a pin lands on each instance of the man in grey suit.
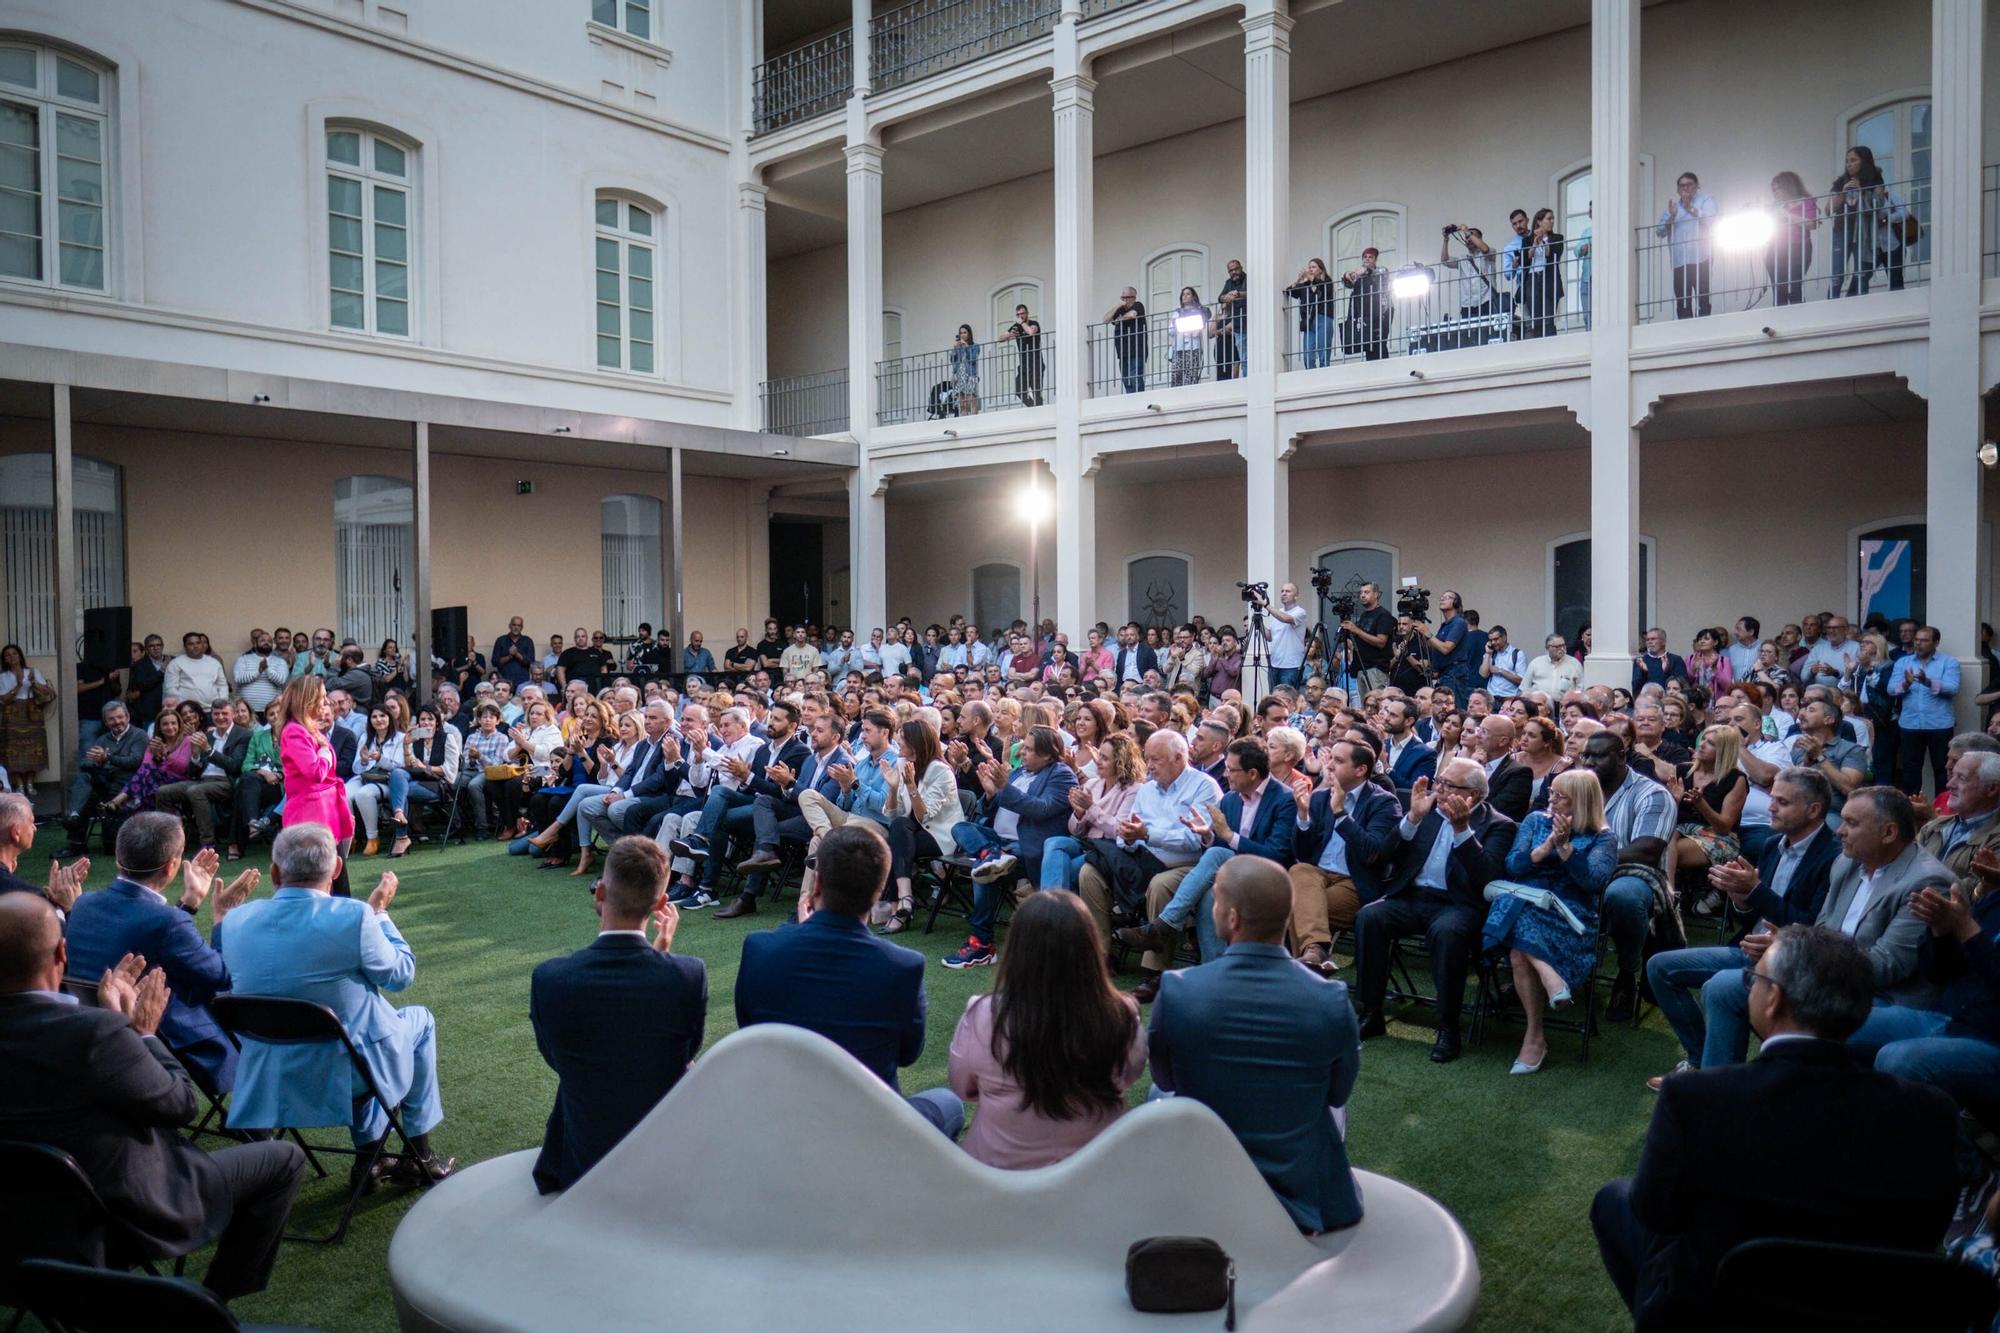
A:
(1879, 871)
(107, 766)
(1267, 1044)
(98, 1084)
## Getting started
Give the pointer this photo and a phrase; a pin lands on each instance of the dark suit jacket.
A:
(1510, 789)
(345, 746)
(619, 1022)
(1149, 660)
(1271, 1048)
(1806, 894)
(831, 975)
(1271, 833)
(1800, 1142)
(229, 758)
(79, 1079)
(13, 883)
(792, 754)
(1472, 865)
(124, 918)
(122, 757)
(1043, 808)
(1417, 760)
(1368, 824)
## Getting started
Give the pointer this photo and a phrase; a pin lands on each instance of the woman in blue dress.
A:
(1568, 850)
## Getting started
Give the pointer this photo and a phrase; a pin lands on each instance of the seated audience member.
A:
(1640, 814)
(734, 765)
(1049, 1054)
(1710, 790)
(1569, 850)
(486, 747)
(98, 1083)
(1801, 1142)
(1024, 809)
(17, 839)
(380, 777)
(1343, 839)
(1155, 849)
(830, 975)
(1404, 757)
(1969, 832)
(1266, 1045)
(131, 915)
(1787, 887)
(1097, 807)
(431, 754)
(618, 1021)
(216, 763)
(1869, 891)
(649, 786)
(923, 807)
(1453, 844)
(167, 759)
(1254, 818)
(304, 943)
(1819, 745)
(1510, 784)
(260, 785)
(775, 818)
(108, 763)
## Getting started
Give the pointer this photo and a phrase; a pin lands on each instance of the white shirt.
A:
(1433, 874)
(1160, 809)
(216, 740)
(201, 679)
(895, 659)
(1757, 801)
(744, 747)
(1007, 822)
(1862, 893)
(1510, 658)
(1288, 642)
(258, 679)
(23, 685)
(1554, 679)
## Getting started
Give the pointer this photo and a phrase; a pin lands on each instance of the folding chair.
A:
(74, 1298)
(1486, 1001)
(54, 1212)
(281, 1021)
(1778, 1283)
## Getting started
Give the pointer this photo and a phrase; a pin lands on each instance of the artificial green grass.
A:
(1516, 1159)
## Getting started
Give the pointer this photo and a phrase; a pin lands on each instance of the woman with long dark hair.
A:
(1790, 253)
(922, 804)
(1049, 1054)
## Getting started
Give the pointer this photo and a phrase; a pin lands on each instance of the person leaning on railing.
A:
(1128, 339)
(1790, 253)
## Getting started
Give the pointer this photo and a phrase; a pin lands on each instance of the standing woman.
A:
(314, 793)
(1188, 340)
(1856, 195)
(965, 371)
(1707, 665)
(1790, 252)
(1313, 293)
(922, 805)
(25, 694)
(1541, 277)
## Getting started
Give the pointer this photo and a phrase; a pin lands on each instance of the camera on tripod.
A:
(1256, 594)
(1413, 602)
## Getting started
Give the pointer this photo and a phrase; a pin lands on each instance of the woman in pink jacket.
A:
(1098, 807)
(314, 791)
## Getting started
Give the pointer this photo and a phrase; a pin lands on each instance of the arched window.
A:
(374, 556)
(28, 545)
(1379, 225)
(627, 243)
(370, 179)
(1157, 588)
(996, 595)
(631, 534)
(1171, 270)
(1026, 291)
(1573, 202)
(1899, 134)
(1355, 563)
(55, 139)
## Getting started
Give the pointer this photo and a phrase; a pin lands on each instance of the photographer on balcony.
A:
(1366, 328)
(1128, 339)
(1026, 333)
(1477, 294)
(1313, 293)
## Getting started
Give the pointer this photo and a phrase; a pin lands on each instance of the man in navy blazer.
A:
(1268, 1045)
(829, 974)
(1134, 657)
(1452, 845)
(649, 782)
(774, 816)
(1788, 887)
(1408, 757)
(619, 1021)
(132, 915)
(1341, 845)
(1024, 809)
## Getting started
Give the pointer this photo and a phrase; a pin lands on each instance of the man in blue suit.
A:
(1266, 831)
(829, 974)
(1342, 845)
(1407, 757)
(132, 915)
(1452, 845)
(304, 943)
(619, 1021)
(1024, 809)
(775, 816)
(650, 779)
(1266, 1044)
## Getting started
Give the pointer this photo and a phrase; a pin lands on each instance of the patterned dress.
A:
(1513, 923)
(152, 776)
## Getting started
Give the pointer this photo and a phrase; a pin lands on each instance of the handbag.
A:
(376, 777)
(1909, 229)
(503, 772)
(1180, 1275)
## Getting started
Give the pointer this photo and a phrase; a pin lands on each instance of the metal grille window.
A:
(28, 545)
(54, 168)
(374, 554)
(634, 16)
(368, 189)
(631, 569)
(625, 286)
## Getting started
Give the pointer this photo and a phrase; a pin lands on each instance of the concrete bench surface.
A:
(783, 1186)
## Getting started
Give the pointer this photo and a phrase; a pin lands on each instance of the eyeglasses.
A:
(1445, 784)
(1756, 976)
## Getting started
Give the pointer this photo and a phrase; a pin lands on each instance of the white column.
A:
(750, 294)
(1952, 474)
(420, 471)
(863, 42)
(676, 610)
(1075, 237)
(864, 275)
(1267, 151)
(867, 555)
(1614, 444)
(69, 610)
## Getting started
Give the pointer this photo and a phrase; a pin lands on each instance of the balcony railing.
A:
(804, 82)
(927, 37)
(1163, 350)
(989, 377)
(1989, 224)
(1093, 8)
(1815, 249)
(1474, 300)
(806, 404)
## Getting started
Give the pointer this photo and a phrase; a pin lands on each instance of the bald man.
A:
(98, 1083)
(1510, 787)
(1267, 1044)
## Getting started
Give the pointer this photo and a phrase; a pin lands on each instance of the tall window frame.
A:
(1381, 225)
(28, 545)
(633, 17)
(626, 260)
(630, 562)
(55, 168)
(371, 220)
(375, 557)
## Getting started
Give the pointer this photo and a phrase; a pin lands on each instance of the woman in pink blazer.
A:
(314, 792)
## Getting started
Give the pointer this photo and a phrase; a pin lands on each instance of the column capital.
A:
(863, 158)
(1267, 31)
(1074, 92)
(749, 194)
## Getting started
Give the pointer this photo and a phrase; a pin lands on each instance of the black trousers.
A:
(262, 1178)
(909, 841)
(1912, 748)
(1691, 289)
(1450, 931)
(775, 823)
(252, 798)
(1625, 1243)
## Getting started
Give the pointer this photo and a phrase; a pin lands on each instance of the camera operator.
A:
(1288, 636)
(1027, 331)
(1448, 664)
(1477, 295)
(1412, 658)
(1371, 629)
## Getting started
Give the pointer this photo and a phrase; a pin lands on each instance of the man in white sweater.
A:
(197, 674)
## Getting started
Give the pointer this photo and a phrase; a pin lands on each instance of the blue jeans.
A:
(578, 797)
(1627, 909)
(1319, 340)
(1189, 893)
(1675, 975)
(971, 839)
(1725, 997)
(1926, 1046)
(941, 1107)
(725, 812)
(1287, 676)
(1062, 861)
(1132, 368)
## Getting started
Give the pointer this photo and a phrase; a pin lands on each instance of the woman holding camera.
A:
(1540, 279)
(1190, 328)
(1312, 292)
(535, 739)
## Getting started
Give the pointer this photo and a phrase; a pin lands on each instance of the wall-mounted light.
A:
(951, 435)
(260, 397)
(1989, 453)
(1416, 374)
(1770, 332)
(561, 430)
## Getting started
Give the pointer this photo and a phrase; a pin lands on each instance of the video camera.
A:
(1343, 603)
(1413, 602)
(1256, 594)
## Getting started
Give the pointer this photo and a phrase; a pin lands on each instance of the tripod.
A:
(1337, 650)
(1255, 657)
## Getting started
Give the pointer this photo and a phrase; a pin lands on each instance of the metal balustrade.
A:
(1814, 249)
(926, 37)
(988, 377)
(804, 82)
(1989, 221)
(806, 404)
(1095, 8)
(1162, 350)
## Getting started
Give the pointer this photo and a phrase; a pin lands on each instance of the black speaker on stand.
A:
(107, 637)
(448, 632)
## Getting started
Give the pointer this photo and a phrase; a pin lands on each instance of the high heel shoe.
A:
(1523, 1067)
(399, 848)
(1561, 999)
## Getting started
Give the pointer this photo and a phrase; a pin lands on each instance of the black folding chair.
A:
(74, 1298)
(1582, 1016)
(54, 1212)
(1777, 1283)
(282, 1021)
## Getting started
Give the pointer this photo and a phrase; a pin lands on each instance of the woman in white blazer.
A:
(922, 805)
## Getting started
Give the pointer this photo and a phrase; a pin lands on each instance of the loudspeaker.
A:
(447, 631)
(107, 637)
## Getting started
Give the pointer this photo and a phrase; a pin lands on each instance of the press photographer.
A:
(1370, 628)
(1288, 633)
(1448, 663)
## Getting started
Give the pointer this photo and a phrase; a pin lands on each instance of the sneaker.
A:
(1710, 904)
(692, 846)
(697, 900)
(681, 894)
(975, 953)
(991, 865)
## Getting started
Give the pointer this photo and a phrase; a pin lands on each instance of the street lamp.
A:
(1031, 504)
